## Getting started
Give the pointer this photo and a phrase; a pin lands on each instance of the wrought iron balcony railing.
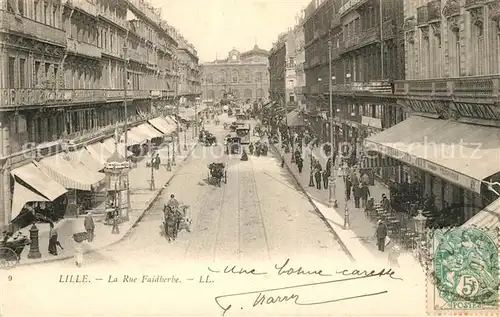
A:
(350, 5)
(81, 48)
(374, 87)
(112, 18)
(41, 96)
(473, 87)
(422, 15)
(31, 29)
(83, 5)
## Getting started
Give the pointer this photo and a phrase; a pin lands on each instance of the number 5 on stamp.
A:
(463, 274)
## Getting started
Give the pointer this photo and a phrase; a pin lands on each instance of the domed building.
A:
(243, 75)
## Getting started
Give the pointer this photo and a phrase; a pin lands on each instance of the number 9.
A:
(10, 278)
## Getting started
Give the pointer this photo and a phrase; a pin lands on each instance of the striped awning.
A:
(162, 125)
(69, 175)
(99, 152)
(109, 145)
(21, 196)
(39, 180)
(85, 159)
(149, 131)
(134, 136)
(488, 218)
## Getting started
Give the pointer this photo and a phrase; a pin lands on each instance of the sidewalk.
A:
(359, 238)
(141, 199)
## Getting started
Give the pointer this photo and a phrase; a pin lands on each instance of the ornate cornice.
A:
(477, 17)
(425, 32)
(454, 25)
(451, 8)
(410, 37)
(494, 8)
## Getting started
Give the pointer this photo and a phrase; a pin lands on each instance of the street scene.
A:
(323, 144)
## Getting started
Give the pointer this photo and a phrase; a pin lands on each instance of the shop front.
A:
(444, 160)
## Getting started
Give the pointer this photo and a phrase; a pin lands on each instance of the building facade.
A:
(451, 88)
(66, 69)
(244, 75)
(366, 45)
(189, 76)
(300, 58)
(278, 70)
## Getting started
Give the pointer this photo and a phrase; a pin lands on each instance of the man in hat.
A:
(385, 203)
(381, 233)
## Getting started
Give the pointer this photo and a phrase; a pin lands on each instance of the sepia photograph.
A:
(249, 158)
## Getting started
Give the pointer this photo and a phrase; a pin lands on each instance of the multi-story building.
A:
(450, 146)
(300, 58)
(66, 68)
(189, 76)
(244, 75)
(365, 41)
(277, 70)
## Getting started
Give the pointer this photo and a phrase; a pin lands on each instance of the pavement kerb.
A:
(127, 232)
(316, 209)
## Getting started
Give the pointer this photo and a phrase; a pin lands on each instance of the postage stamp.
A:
(463, 273)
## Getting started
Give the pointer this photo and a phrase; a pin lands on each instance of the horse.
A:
(172, 222)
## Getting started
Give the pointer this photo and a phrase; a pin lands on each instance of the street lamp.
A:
(331, 179)
(185, 139)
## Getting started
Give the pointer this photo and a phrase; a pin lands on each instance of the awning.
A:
(85, 159)
(171, 119)
(109, 145)
(295, 119)
(162, 125)
(134, 136)
(71, 176)
(463, 154)
(149, 131)
(488, 218)
(21, 196)
(40, 181)
(99, 152)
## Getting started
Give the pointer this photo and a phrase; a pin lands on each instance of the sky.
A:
(215, 27)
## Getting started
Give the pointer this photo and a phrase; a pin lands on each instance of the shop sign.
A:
(443, 172)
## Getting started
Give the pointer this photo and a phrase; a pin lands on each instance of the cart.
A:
(10, 251)
(217, 172)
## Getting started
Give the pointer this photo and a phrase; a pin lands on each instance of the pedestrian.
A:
(365, 179)
(317, 176)
(385, 203)
(53, 240)
(282, 161)
(78, 241)
(325, 178)
(365, 193)
(300, 164)
(89, 226)
(354, 178)
(348, 186)
(157, 161)
(357, 195)
(381, 233)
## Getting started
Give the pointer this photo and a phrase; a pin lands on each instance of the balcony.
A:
(365, 38)
(45, 96)
(350, 5)
(335, 22)
(32, 29)
(434, 11)
(484, 88)
(84, 6)
(374, 87)
(137, 57)
(112, 18)
(470, 4)
(84, 49)
(422, 16)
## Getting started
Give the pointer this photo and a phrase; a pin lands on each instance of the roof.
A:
(255, 51)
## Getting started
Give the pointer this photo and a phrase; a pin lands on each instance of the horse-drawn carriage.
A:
(207, 138)
(217, 171)
(11, 249)
(175, 219)
(233, 143)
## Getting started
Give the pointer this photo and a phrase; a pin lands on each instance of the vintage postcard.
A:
(249, 157)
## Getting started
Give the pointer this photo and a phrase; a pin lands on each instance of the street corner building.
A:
(243, 76)
(414, 84)
(73, 74)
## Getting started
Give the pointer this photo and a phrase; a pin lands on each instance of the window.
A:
(20, 6)
(36, 10)
(55, 76)
(12, 72)
(46, 14)
(37, 74)
(22, 73)
(54, 17)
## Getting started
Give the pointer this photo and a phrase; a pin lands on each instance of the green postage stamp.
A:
(463, 272)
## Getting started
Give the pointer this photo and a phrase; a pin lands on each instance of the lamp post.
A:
(185, 140)
(420, 222)
(169, 166)
(331, 179)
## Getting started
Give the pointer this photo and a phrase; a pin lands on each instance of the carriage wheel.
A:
(9, 258)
